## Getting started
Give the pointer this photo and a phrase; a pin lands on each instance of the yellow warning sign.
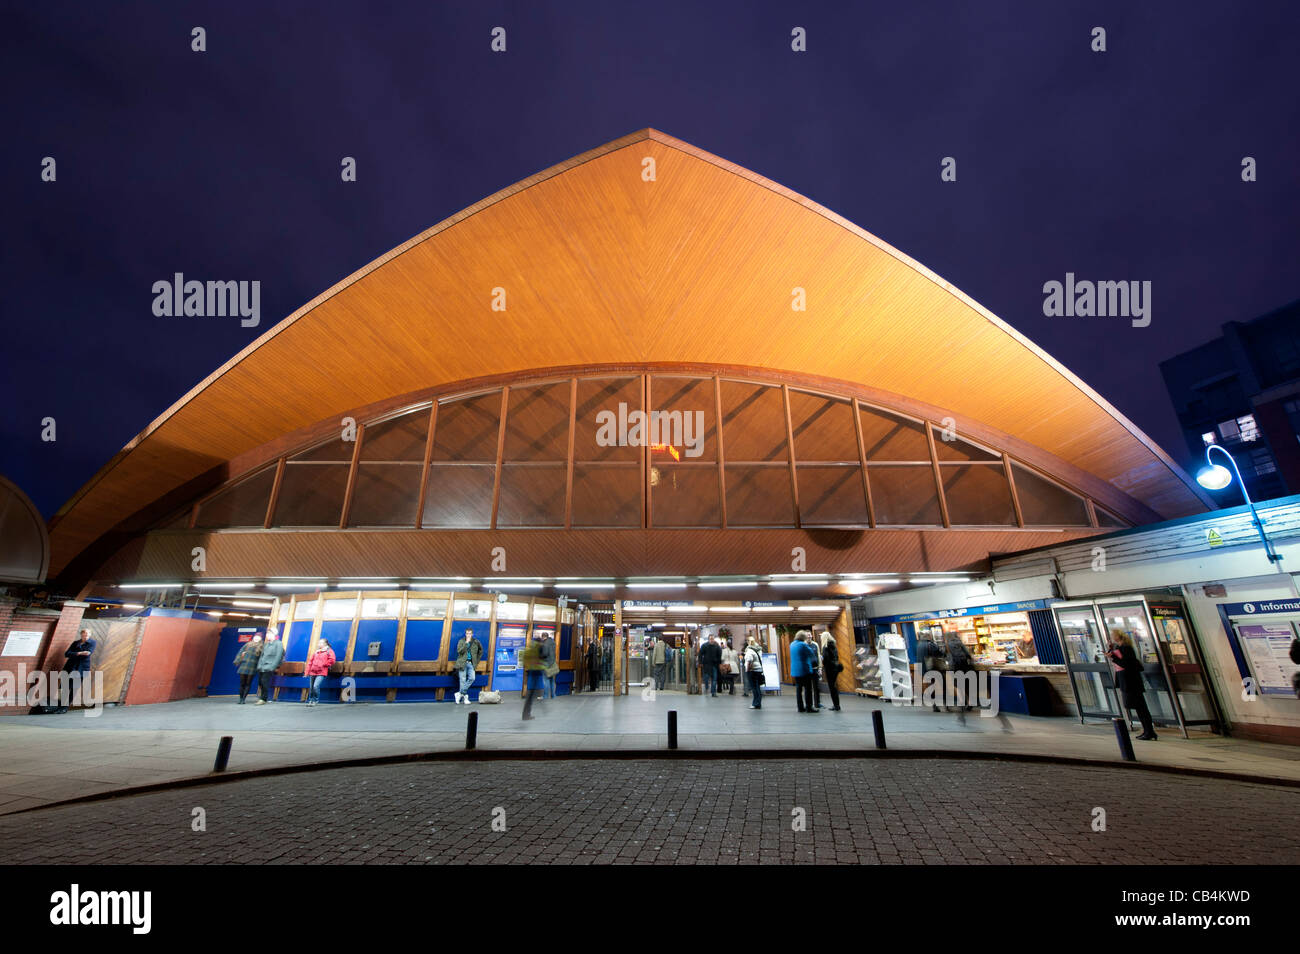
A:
(1215, 538)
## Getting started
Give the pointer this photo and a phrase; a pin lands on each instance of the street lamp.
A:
(1215, 477)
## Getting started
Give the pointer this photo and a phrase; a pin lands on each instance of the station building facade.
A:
(643, 371)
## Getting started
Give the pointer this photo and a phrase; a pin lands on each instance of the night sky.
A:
(1123, 165)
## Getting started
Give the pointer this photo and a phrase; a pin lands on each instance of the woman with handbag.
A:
(753, 663)
(730, 665)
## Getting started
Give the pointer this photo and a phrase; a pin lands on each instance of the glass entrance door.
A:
(1182, 659)
(1085, 659)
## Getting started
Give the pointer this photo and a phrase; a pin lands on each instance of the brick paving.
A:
(647, 811)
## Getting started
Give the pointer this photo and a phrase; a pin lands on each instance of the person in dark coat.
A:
(1130, 680)
(832, 666)
(246, 660)
(710, 658)
(593, 665)
(78, 661)
(928, 654)
(267, 664)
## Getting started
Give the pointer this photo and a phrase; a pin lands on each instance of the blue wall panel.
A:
(424, 639)
(297, 640)
(382, 631)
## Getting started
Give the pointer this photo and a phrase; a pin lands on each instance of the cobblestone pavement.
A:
(679, 811)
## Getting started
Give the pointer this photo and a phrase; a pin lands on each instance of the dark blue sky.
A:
(225, 164)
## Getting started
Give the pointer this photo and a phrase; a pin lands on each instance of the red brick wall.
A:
(11, 619)
(174, 660)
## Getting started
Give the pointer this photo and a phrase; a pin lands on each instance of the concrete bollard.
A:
(672, 728)
(471, 731)
(223, 753)
(1125, 743)
(878, 726)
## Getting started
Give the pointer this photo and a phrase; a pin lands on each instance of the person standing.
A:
(660, 661)
(593, 664)
(246, 661)
(731, 665)
(267, 664)
(1130, 680)
(928, 655)
(534, 674)
(801, 670)
(318, 667)
(710, 659)
(832, 666)
(551, 667)
(77, 665)
(959, 667)
(754, 673)
(468, 652)
(816, 662)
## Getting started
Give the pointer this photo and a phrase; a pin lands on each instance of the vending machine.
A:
(507, 667)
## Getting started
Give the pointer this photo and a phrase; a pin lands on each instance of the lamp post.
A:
(1215, 477)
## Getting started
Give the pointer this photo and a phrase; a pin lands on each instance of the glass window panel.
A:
(958, 449)
(544, 612)
(339, 609)
(311, 495)
(537, 423)
(383, 607)
(830, 495)
(386, 495)
(684, 416)
(242, 505)
(759, 496)
(822, 428)
(753, 422)
(977, 495)
(595, 396)
(606, 495)
(304, 609)
(1043, 503)
(336, 449)
(512, 611)
(684, 496)
(467, 429)
(473, 609)
(532, 495)
(402, 438)
(890, 437)
(1107, 519)
(426, 609)
(459, 496)
(905, 496)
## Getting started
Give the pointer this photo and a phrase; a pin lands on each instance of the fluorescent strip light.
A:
(435, 585)
(799, 583)
(814, 609)
(306, 584)
(656, 586)
(940, 580)
(251, 604)
(131, 606)
(150, 586)
(728, 609)
(514, 586)
(748, 583)
(687, 609)
(770, 609)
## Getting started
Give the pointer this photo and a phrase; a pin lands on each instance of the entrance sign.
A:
(23, 642)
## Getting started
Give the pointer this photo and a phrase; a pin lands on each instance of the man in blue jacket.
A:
(267, 664)
(801, 668)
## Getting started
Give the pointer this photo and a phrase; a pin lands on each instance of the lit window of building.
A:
(1248, 428)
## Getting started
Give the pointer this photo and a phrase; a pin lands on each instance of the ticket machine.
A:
(507, 667)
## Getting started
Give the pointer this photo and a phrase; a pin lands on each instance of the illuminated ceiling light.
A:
(514, 586)
(732, 583)
(655, 586)
(150, 586)
(942, 579)
(815, 609)
(216, 613)
(687, 609)
(799, 583)
(306, 584)
(252, 604)
(132, 606)
(729, 609)
(770, 609)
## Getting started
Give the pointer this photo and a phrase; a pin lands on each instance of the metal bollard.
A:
(471, 731)
(1125, 743)
(672, 728)
(878, 725)
(223, 753)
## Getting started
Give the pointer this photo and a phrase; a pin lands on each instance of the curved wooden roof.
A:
(601, 266)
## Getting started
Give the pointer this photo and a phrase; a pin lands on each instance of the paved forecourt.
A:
(52, 758)
(654, 811)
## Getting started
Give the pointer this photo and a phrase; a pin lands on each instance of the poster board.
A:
(771, 673)
(23, 642)
(1267, 647)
